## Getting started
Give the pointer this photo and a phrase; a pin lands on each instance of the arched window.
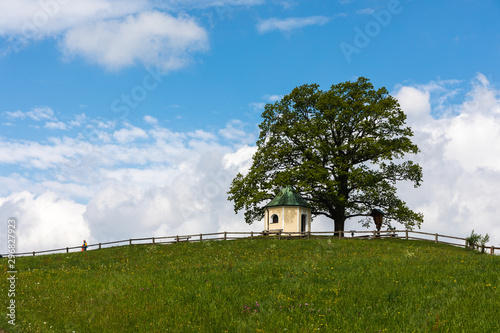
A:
(274, 218)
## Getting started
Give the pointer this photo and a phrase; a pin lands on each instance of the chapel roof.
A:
(287, 197)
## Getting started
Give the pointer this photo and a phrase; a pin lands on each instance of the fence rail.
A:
(271, 234)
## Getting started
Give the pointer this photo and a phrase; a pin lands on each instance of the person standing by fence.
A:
(84, 246)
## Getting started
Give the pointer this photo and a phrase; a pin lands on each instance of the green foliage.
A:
(484, 239)
(476, 240)
(343, 150)
(472, 240)
(260, 285)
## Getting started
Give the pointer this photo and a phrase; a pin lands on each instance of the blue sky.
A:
(130, 118)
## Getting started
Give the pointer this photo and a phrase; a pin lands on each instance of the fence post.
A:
(251, 235)
(309, 234)
(279, 235)
(225, 235)
(374, 234)
(153, 240)
(436, 241)
(130, 241)
(492, 250)
(177, 238)
(340, 234)
(67, 250)
(201, 238)
(99, 246)
(33, 253)
(406, 234)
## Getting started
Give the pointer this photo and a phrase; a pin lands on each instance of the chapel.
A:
(287, 212)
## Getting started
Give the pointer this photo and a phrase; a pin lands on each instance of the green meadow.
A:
(258, 285)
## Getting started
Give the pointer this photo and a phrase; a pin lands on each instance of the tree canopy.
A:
(343, 150)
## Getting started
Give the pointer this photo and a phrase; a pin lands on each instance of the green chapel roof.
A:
(287, 197)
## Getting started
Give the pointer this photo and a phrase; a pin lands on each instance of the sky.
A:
(128, 119)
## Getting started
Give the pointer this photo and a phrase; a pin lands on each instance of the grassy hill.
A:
(258, 285)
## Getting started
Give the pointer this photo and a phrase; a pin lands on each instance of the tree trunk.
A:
(340, 209)
(339, 223)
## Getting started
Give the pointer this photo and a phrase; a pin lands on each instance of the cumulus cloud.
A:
(28, 20)
(30, 154)
(189, 198)
(112, 33)
(416, 103)
(235, 130)
(132, 133)
(45, 222)
(460, 157)
(149, 38)
(172, 183)
(289, 24)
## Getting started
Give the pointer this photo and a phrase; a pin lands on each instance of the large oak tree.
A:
(343, 150)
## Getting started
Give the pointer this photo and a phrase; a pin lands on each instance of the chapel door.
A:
(303, 223)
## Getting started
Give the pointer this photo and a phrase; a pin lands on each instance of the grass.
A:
(258, 285)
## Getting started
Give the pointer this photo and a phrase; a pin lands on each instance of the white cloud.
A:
(415, 103)
(460, 157)
(33, 154)
(56, 125)
(257, 106)
(202, 135)
(126, 135)
(175, 183)
(150, 120)
(41, 113)
(27, 19)
(188, 197)
(30, 19)
(273, 98)
(45, 222)
(79, 120)
(37, 114)
(234, 130)
(241, 159)
(112, 33)
(15, 114)
(149, 38)
(289, 24)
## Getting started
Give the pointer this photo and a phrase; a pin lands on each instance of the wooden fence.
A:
(218, 236)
